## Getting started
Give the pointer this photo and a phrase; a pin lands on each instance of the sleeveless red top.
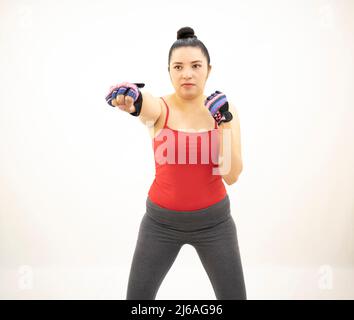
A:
(184, 164)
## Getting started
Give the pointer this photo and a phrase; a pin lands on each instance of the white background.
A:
(75, 172)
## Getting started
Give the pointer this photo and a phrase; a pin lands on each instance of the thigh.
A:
(219, 253)
(155, 251)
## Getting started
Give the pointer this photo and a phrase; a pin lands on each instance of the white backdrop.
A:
(75, 172)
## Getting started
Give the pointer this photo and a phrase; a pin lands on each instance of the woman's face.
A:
(188, 65)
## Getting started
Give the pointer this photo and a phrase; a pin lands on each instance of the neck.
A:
(184, 104)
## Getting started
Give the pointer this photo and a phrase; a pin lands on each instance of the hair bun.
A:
(185, 32)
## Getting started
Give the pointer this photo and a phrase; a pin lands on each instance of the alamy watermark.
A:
(25, 277)
(325, 279)
(172, 149)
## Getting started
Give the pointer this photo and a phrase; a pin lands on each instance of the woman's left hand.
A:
(218, 107)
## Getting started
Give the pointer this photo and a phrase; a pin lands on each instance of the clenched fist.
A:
(126, 96)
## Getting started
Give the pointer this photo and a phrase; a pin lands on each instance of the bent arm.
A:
(230, 148)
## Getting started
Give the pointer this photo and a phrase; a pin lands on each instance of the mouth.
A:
(187, 84)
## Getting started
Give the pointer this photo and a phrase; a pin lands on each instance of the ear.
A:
(209, 69)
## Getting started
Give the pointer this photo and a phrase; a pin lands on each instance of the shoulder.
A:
(164, 102)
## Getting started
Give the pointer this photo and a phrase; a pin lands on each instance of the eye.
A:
(193, 66)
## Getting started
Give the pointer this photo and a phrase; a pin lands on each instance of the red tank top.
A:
(184, 164)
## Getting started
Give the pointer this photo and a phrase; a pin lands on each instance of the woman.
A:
(187, 202)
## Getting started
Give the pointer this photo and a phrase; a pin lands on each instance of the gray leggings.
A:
(162, 233)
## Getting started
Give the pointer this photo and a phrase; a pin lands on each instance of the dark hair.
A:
(187, 38)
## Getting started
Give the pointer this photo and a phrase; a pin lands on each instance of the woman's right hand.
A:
(124, 95)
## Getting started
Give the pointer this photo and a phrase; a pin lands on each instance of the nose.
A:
(187, 77)
(187, 74)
